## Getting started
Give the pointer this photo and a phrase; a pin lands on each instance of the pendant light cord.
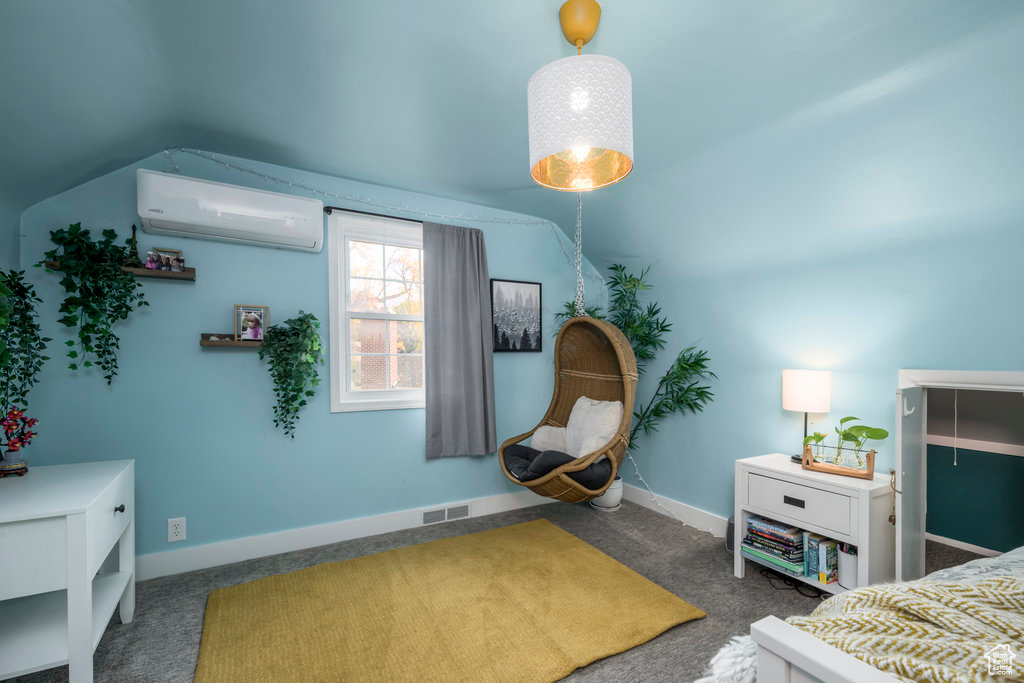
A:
(580, 309)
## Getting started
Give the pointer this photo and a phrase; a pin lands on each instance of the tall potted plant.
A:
(683, 388)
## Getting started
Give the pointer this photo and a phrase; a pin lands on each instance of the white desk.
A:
(57, 525)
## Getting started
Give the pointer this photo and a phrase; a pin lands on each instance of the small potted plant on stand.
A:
(16, 428)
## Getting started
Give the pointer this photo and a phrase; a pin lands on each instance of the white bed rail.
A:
(785, 654)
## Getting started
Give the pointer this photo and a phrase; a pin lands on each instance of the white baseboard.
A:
(963, 546)
(170, 562)
(695, 517)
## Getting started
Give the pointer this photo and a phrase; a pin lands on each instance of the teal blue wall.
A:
(9, 242)
(942, 303)
(198, 421)
(977, 501)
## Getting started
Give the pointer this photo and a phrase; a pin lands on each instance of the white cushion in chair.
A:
(592, 424)
(548, 438)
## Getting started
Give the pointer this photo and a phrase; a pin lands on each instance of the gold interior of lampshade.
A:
(564, 171)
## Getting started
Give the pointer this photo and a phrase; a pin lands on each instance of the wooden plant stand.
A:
(866, 473)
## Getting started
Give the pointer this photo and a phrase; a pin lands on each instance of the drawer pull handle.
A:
(788, 500)
(120, 508)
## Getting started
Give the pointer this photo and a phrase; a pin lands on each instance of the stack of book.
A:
(775, 544)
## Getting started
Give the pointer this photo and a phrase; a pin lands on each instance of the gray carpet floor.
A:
(162, 643)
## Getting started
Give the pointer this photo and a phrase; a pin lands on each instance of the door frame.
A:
(976, 380)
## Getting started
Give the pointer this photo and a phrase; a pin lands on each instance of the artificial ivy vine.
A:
(21, 342)
(98, 293)
(293, 350)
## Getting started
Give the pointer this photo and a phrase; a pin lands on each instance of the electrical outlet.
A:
(175, 529)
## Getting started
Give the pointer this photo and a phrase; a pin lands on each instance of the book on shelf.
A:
(791, 554)
(776, 529)
(795, 567)
(828, 561)
(811, 541)
(768, 563)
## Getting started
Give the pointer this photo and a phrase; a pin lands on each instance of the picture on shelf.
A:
(515, 315)
(165, 259)
(250, 322)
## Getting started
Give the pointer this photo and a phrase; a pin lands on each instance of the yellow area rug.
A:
(527, 602)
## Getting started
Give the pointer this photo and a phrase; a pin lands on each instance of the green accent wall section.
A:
(977, 501)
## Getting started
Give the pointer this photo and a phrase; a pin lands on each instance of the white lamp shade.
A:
(581, 123)
(807, 391)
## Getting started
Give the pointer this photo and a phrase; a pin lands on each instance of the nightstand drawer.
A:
(801, 503)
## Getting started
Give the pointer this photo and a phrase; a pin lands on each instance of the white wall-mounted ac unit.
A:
(171, 204)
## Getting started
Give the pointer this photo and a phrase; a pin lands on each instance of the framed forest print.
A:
(515, 315)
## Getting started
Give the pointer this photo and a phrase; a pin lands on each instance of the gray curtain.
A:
(458, 339)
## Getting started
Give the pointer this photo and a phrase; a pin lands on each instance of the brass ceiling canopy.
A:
(579, 19)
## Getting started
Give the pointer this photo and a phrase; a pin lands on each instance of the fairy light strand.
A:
(384, 207)
(575, 259)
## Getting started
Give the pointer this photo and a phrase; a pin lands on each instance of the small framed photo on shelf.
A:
(251, 322)
(165, 259)
(515, 315)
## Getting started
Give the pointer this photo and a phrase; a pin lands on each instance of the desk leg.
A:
(126, 563)
(79, 602)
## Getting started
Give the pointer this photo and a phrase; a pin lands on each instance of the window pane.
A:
(365, 259)
(407, 372)
(366, 295)
(405, 337)
(405, 298)
(369, 373)
(403, 263)
(367, 336)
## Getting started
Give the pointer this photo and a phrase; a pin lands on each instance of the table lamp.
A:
(806, 391)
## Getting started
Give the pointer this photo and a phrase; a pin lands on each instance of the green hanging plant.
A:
(680, 389)
(98, 293)
(293, 349)
(21, 343)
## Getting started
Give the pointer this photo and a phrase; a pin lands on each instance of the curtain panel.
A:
(458, 343)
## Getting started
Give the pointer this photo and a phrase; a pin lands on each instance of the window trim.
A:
(342, 227)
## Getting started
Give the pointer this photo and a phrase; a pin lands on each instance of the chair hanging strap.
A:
(580, 310)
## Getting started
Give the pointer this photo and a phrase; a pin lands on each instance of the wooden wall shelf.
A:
(226, 340)
(187, 274)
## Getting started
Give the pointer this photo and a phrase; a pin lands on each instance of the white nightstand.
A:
(842, 508)
(57, 525)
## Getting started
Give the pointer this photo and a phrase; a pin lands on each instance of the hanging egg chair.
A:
(592, 359)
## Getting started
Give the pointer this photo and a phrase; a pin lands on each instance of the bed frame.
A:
(785, 654)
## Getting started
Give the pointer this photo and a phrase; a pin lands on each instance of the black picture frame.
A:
(508, 309)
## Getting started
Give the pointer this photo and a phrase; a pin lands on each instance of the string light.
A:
(560, 237)
(654, 497)
(384, 207)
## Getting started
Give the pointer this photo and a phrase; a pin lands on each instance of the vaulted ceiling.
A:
(762, 128)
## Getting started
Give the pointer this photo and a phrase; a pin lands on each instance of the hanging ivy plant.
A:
(97, 294)
(21, 342)
(293, 349)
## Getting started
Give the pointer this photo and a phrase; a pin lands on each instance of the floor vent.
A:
(458, 512)
(433, 516)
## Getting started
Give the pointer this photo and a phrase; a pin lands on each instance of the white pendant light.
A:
(580, 112)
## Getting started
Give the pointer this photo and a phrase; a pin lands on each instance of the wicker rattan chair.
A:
(593, 359)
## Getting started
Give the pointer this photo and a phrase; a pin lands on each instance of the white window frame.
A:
(342, 228)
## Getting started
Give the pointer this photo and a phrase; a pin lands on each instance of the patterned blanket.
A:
(936, 629)
(929, 631)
